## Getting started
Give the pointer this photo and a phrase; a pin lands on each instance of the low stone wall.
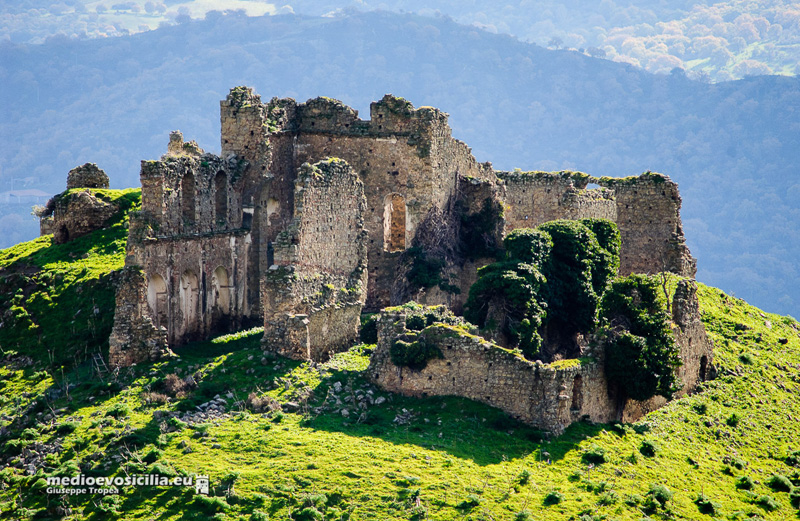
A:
(548, 396)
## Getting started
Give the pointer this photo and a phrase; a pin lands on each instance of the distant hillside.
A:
(712, 40)
(733, 147)
(284, 440)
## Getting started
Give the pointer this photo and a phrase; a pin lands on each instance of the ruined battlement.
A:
(306, 197)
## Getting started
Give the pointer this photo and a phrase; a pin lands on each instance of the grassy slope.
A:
(62, 294)
(455, 459)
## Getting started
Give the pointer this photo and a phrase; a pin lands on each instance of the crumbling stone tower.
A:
(218, 236)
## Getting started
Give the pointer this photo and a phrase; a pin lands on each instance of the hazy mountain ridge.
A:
(714, 41)
(732, 147)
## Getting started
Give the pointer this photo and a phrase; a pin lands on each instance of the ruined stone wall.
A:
(402, 154)
(193, 252)
(78, 213)
(205, 284)
(648, 217)
(187, 195)
(313, 294)
(135, 337)
(645, 208)
(88, 175)
(549, 396)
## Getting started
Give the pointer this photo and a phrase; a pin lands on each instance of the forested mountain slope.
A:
(733, 147)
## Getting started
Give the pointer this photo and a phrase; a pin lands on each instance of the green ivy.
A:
(413, 351)
(553, 275)
(641, 354)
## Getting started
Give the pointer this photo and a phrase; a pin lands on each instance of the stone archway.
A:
(577, 393)
(189, 301)
(221, 198)
(187, 198)
(157, 298)
(220, 291)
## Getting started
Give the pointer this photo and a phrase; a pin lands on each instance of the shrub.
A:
(648, 448)
(478, 230)
(469, 503)
(660, 493)
(524, 515)
(560, 267)
(641, 355)
(793, 458)
(780, 483)
(259, 515)
(768, 503)
(211, 504)
(175, 386)
(607, 498)
(415, 353)
(67, 428)
(118, 410)
(553, 497)
(594, 455)
(369, 329)
(794, 497)
(426, 271)
(733, 420)
(745, 483)
(706, 506)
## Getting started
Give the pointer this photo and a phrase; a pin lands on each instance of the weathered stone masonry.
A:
(218, 236)
(314, 292)
(549, 396)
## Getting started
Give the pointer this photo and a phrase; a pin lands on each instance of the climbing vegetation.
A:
(553, 276)
(641, 354)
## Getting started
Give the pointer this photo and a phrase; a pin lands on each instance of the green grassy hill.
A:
(58, 299)
(286, 440)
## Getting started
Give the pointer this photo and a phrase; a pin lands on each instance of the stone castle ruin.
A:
(310, 215)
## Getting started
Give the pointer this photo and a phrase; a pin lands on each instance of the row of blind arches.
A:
(189, 296)
(189, 204)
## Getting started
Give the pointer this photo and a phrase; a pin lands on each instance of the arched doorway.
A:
(577, 393)
(221, 291)
(157, 299)
(703, 368)
(188, 300)
(394, 223)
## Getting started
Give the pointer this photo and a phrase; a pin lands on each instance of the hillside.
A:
(62, 295)
(281, 439)
(733, 147)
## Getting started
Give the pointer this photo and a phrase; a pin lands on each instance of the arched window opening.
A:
(394, 223)
(221, 198)
(577, 393)
(221, 288)
(188, 299)
(703, 368)
(187, 198)
(157, 300)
